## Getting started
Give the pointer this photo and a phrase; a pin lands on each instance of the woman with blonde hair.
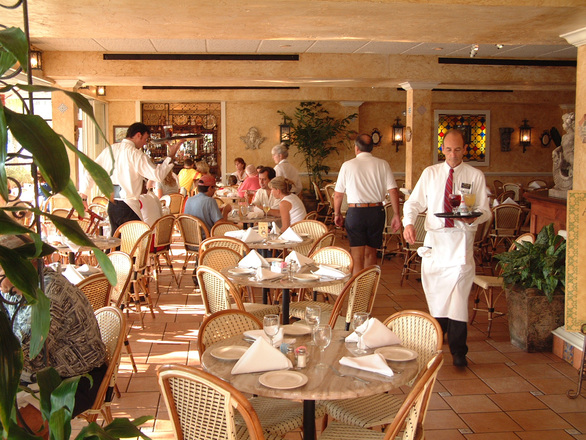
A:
(291, 207)
(168, 186)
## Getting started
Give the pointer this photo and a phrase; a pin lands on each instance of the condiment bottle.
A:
(291, 354)
(301, 357)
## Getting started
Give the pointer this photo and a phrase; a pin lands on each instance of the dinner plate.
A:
(303, 234)
(296, 330)
(306, 277)
(396, 353)
(283, 380)
(458, 214)
(241, 271)
(278, 241)
(271, 260)
(229, 352)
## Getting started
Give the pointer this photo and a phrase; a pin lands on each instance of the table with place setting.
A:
(62, 244)
(262, 370)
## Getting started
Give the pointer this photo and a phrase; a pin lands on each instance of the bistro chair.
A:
(219, 258)
(97, 289)
(412, 261)
(328, 255)
(505, 195)
(193, 231)
(310, 216)
(481, 246)
(278, 416)
(322, 204)
(174, 202)
(101, 200)
(221, 227)
(203, 406)
(506, 225)
(389, 235)
(140, 278)
(491, 288)
(324, 241)
(407, 422)
(129, 232)
(516, 188)
(219, 293)
(227, 242)
(112, 325)
(357, 296)
(498, 188)
(162, 230)
(314, 228)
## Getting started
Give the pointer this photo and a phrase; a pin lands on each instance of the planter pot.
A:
(532, 318)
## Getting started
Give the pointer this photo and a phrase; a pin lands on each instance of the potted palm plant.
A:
(534, 276)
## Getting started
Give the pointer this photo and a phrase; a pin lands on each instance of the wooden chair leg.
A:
(129, 352)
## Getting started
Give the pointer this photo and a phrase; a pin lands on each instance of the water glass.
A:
(312, 316)
(270, 326)
(358, 319)
(322, 336)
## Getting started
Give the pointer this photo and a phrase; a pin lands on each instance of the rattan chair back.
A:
(129, 234)
(498, 187)
(357, 296)
(516, 188)
(101, 200)
(163, 231)
(314, 228)
(223, 325)
(389, 235)
(221, 227)
(193, 231)
(217, 291)
(411, 262)
(225, 242)
(123, 267)
(174, 202)
(219, 258)
(203, 406)
(97, 289)
(310, 216)
(324, 241)
(506, 224)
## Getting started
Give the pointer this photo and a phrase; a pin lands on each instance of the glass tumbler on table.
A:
(322, 336)
(270, 325)
(312, 317)
(358, 319)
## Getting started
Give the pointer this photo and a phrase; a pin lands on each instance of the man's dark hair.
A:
(188, 162)
(270, 172)
(364, 143)
(137, 127)
(202, 189)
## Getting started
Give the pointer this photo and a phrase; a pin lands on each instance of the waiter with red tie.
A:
(447, 269)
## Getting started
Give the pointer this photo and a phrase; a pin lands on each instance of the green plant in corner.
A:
(47, 150)
(540, 265)
(316, 135)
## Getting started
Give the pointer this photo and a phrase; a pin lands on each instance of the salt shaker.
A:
(301, 357)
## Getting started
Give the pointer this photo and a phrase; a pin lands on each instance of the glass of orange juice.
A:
(470, 201)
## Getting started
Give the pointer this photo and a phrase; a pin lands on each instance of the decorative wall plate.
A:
(376, 136)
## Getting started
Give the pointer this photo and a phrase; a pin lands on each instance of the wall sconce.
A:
(36, 60)
(398, 133)
(285, 132)
(101, 90)
(525, 135)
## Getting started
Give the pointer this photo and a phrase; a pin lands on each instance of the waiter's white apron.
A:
(447, 272)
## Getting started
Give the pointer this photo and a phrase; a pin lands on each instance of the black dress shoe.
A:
(460, 360)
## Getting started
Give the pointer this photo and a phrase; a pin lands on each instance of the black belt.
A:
(364, 205)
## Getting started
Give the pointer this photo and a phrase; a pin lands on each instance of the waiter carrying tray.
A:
(447, 268)
(365, 180)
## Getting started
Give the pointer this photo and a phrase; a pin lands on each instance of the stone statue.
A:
(563, 156)
(252, 139)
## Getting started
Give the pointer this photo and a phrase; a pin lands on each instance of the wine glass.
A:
(455, 200)
(266, 208)
(358, 319)
(322, 336)
(470, 201)
(312, 316)
(270, 325)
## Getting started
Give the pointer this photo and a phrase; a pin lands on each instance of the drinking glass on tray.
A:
(455, 200)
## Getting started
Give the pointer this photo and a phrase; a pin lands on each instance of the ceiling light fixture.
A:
(36, 60)
(473, 50)
(101, 90)
(499, 46)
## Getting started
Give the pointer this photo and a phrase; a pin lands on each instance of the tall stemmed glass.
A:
(270, 325)
(266, 208)
(322, 336)
(312, 317)
(358, 319)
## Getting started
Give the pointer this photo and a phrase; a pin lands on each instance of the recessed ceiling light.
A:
(285, 45)
(438, 48)
(499, 46)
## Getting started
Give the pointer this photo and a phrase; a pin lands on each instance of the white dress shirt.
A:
(285, 169)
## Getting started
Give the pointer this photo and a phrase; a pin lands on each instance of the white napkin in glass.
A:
(510, 201)
(534, 185)
(251, 236)
(327, 271)
(290, 235)
(236, 234)
(267, 274)
(375, 363)
(495, 203)
(260, 334)
(261, 357)
(72, 274)
(275, 229)
(256, 213)
(301, 260)
(375, 334)
(253, 260)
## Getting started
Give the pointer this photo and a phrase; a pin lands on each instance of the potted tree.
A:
(534, 278)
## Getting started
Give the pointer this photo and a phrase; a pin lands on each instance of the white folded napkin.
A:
(534, 185)
(275, 229)
(327, 271)
(72, 274)
(375, 334)
(495, 203)
(260, 334)
(90, 270)
(290, 235)
(256, 213)
(375, 363)
(301, 260)
(251, 236)
(232, 194)
(261, 357)
(236, 234)
(510, 201)
(253, 260)
(266, 274)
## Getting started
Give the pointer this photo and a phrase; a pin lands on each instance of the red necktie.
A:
(447, 192)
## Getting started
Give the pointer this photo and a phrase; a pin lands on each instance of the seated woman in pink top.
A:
(251, 183)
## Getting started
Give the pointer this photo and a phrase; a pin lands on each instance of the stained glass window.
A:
(474, 124)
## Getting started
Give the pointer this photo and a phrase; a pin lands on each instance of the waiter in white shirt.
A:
(130, 167)
(365, 180)
(448, 269)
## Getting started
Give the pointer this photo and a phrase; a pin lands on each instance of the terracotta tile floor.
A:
(504, 394)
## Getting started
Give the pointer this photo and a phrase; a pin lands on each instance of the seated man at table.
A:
(264, 194)
(203, 206)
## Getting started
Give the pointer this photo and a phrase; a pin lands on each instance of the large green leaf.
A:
(20, 272)
(35, 135)
(106, 266)
(13, 40)
(70, 191)
(124, 428)
(9, 226)
(40, 323)
(3, 149)
(48, 380)
(11, 362)
(69, 228)
(60, 424)
(99, 174)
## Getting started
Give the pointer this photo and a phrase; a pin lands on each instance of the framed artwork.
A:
(119, 132)
(475, 124)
